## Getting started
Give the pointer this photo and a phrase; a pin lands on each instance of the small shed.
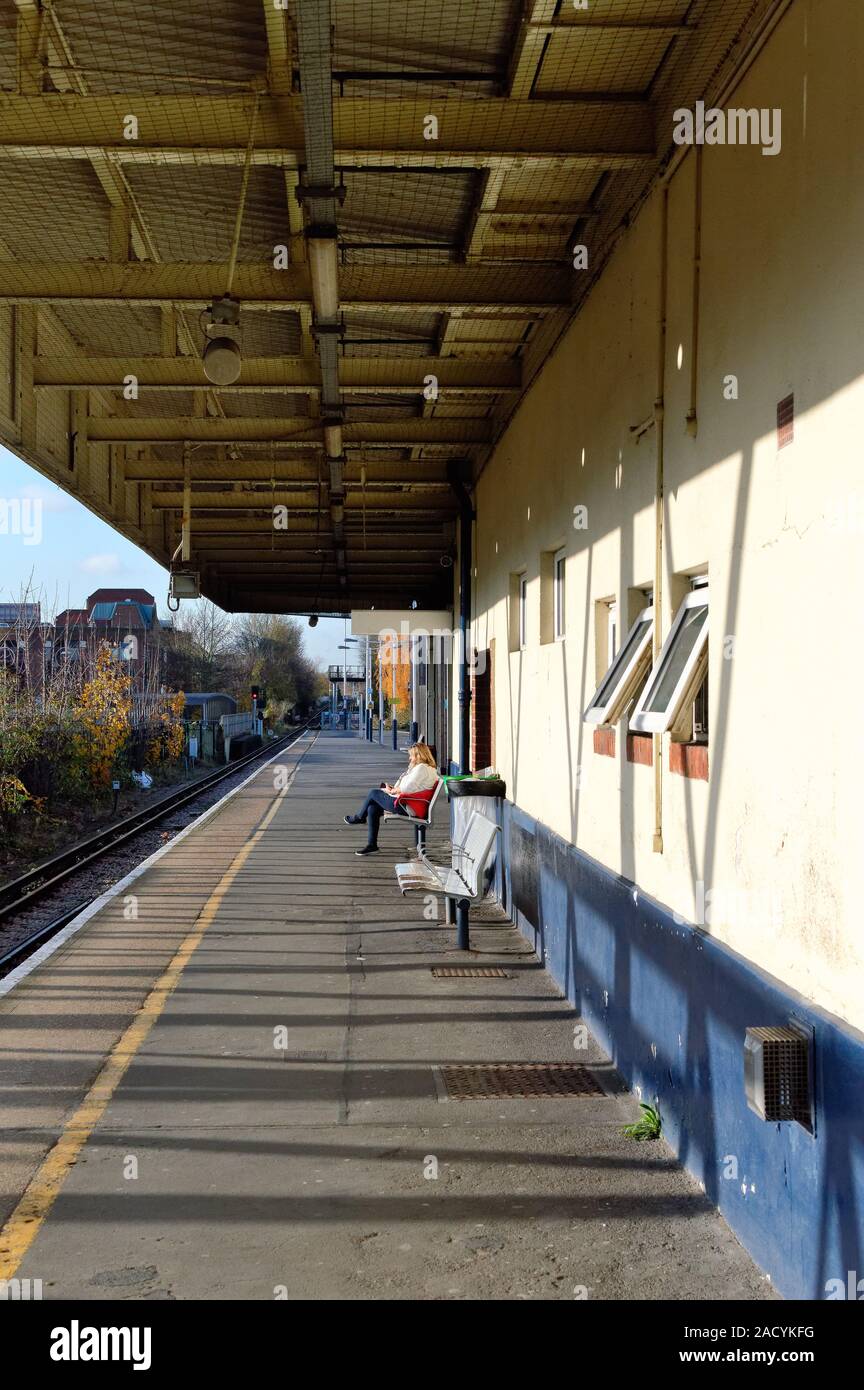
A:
(208, 706)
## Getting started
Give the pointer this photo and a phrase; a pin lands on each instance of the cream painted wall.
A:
(777, 830)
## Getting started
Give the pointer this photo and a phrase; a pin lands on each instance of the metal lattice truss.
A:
(417, 174)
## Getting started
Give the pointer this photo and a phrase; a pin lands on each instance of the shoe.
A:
(367, 849)
(351, 820)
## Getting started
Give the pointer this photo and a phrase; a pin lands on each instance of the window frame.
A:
(701, 730)
(621, 692)
(523, 611)
(559, 602)
(695, 669)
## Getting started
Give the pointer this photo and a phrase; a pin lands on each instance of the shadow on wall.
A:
(671, 1005)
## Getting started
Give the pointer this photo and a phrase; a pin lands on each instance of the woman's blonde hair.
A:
(422, 753)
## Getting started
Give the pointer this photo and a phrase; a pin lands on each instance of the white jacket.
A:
(419, 778)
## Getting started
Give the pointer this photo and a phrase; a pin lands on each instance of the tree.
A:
(395, 651)
(104, 711)
(269, 652)
(200, 648)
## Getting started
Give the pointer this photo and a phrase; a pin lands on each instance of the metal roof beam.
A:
(285, 471)
(195, 130)
(568, 22)
(299, 430)
(391, 374)
(302, 502)
(279, 54)
(432, 288)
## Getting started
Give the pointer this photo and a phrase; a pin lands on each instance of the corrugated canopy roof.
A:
(473, 144)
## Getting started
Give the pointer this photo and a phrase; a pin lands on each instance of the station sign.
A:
(405, 622)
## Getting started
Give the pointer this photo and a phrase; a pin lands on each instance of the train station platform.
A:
(228, 1084)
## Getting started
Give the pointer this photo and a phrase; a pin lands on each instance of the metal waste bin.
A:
(468, 795)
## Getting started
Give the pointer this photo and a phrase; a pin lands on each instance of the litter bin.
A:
(467, 795)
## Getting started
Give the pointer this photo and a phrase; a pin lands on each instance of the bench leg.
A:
(421, 837)
(450, 912)
(462, 937)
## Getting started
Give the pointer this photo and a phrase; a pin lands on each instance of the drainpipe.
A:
(692, 418)
(413, 643)
(455, 472)
(658, 507)
(186, 524)
(380, 695)
(395, 653)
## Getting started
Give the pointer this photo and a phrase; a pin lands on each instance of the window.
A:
(523, 610)
(560, 562)
(627, 668)
(699, 726)
(681, 668)
(612, 632)
(700, 714)
(482, 710)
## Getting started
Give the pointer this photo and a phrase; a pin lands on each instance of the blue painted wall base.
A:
(670, 1006)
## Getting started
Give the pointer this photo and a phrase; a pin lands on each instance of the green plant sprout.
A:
(648, 1126)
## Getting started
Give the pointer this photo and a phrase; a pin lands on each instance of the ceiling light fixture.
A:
(222, 356)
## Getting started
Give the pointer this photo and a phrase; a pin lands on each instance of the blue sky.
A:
(53, 544)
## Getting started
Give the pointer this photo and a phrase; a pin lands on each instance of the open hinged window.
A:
(625, 672)
(667, 700)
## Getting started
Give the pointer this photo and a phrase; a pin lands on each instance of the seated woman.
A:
(420, 776)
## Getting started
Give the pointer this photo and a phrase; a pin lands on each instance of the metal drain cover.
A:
(470, 972)
(518, 1079)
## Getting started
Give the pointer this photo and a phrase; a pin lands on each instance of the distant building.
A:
(20, 633)
(68, 636)
(124, 618)
(20, 615)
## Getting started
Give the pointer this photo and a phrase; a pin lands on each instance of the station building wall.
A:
(770, 842)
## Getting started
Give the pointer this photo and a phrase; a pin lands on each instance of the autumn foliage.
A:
(167, 741)
(104, 711)
(394, 656)
(68, 729)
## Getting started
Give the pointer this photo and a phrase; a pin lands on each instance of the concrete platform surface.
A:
(272, 1123)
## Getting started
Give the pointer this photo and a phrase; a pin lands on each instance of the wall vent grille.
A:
(776, 1074)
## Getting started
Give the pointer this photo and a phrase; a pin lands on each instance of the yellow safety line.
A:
(23, 1225)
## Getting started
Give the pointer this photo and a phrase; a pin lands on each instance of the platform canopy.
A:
(393, 191)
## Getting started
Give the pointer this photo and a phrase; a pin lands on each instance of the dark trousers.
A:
(376, 803)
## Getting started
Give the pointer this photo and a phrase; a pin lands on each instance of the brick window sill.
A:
(640, 749)
(689, 760)
(604, 742)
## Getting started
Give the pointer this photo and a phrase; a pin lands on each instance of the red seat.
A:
(420, 806)
(417, 803)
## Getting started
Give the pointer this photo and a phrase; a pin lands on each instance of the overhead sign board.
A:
(405, 622)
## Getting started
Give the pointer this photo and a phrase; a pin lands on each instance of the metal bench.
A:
(463, 882)
(419, 822)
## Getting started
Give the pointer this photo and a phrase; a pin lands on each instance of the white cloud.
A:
(102, 564)
(52, 498)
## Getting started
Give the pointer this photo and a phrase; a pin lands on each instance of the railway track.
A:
(22, 894)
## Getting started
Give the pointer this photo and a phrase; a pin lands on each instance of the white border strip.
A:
(55, 942)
